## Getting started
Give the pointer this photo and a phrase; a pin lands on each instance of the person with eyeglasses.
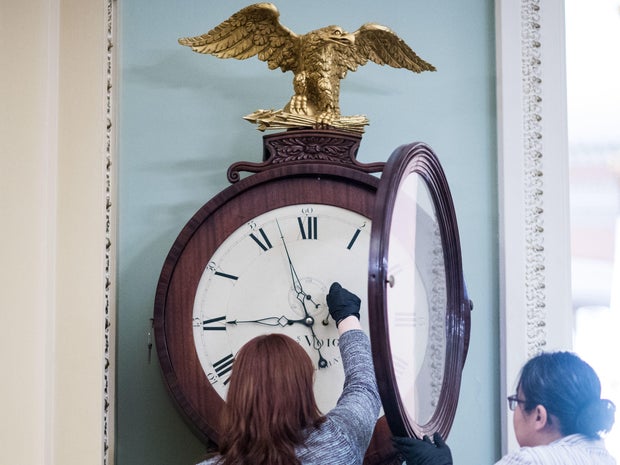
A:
(558, 418)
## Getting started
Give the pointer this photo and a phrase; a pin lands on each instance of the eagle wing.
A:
(254, 30)
(380, 44)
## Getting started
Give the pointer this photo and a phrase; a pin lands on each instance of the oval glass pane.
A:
(416, 300)
(418, 308)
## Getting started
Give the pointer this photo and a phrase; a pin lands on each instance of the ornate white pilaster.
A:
(110, 239)
(535, 311)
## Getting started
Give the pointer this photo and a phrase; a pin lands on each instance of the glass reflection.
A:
(417, 314)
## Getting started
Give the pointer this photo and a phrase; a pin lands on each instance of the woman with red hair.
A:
(271, 416)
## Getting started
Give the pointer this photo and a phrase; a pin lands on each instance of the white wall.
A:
(52, 198)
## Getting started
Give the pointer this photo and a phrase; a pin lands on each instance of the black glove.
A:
(342, 303)
(424, 452)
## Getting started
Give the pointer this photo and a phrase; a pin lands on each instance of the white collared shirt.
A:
(575, 449)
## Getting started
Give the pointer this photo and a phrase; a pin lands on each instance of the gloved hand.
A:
(424, 452)
(342, 303)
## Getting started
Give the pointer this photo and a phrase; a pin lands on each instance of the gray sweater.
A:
(344, 437)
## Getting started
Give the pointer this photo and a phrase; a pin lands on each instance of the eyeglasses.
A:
(513, 401)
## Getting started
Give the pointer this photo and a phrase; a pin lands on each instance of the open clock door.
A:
(419, 311)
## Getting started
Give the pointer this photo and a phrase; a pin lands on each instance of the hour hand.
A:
(270, 321)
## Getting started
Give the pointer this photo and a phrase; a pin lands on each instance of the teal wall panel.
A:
(180, 127)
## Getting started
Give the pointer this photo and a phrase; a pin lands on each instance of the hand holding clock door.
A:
(424, 451)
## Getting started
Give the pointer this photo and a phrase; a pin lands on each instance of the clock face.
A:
(271, 275)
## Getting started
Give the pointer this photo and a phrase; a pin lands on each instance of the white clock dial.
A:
(272, 275)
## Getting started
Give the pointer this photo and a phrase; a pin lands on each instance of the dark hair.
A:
(570, 390)
(270, 403)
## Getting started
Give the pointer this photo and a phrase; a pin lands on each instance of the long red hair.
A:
(270, 403)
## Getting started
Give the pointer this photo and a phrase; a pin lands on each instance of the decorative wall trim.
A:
(437, 330)
(109, 291)
(534, 177)
(535, 311)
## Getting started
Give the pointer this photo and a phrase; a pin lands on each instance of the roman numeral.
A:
(223, 366)
(309, 230)
(211, 325)
(264, 244)
(226, 275)
(354, 238)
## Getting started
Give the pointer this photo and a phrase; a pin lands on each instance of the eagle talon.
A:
(326, 119)
(298, 105)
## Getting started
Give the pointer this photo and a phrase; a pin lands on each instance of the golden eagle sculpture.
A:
(318, 60)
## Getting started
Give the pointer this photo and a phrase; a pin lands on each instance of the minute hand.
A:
(302, 296)
(299, 290)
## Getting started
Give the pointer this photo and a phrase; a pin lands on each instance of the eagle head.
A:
(334, 35)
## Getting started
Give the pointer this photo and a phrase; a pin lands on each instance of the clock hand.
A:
(316, 343)
(309, 322)
(297, 286)
(302, 296)
(299, 290)
(271, 321)
(284, 321)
